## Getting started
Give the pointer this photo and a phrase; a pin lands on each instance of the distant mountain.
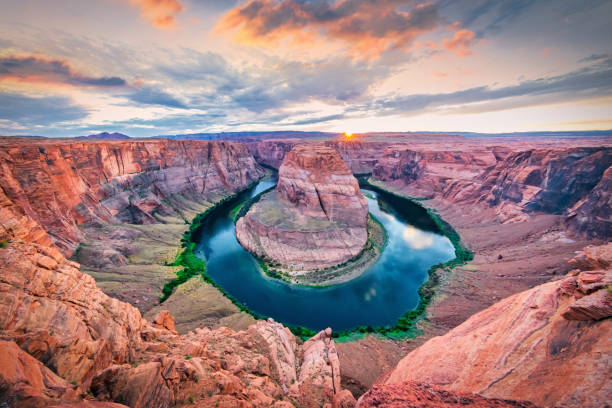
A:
(106, 136)
(245, 136)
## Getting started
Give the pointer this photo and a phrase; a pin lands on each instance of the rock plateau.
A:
(314, 219)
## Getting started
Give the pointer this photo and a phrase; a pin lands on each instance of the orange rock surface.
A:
(316, 218)
(550, 345)
(60, 185)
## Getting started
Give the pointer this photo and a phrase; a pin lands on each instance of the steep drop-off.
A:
(550, 345)
(64, 340)
(316, 217)
(61, 185)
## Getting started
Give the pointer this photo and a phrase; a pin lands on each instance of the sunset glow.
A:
(183, 66)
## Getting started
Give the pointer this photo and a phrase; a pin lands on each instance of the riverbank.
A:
(508, 258)
(347, 271)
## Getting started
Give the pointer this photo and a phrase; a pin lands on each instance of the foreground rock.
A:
(417, 395)
(549, 345)
(316, 218)
(62, 338)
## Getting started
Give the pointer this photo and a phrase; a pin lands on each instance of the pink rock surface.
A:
(316, 217)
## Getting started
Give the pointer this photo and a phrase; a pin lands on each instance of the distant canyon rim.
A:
(90, 232)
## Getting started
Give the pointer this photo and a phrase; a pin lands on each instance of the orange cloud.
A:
(50, 71)
(159, 12)
(367, 28)
(461, 42)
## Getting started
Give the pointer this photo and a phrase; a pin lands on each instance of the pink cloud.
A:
(368, 28)
(162, 13)
(461, 42)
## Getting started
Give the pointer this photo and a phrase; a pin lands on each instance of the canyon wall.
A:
(361, 157)
(63, 340)
(572, 182)
(61, 185)
(549, 345)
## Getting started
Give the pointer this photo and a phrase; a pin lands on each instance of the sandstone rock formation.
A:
(549, 345)
(316, 217)
(26, 382)
(52, 314)
(61, 185)
(418, 395)
(360, 156)
(574, 181)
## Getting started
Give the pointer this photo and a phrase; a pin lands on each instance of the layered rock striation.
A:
(571, 182)
(315, 218)
(62, 339)
(549, 345)
(60, 185)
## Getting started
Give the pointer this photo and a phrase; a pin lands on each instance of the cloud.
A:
(162, 13)
(367, 27)
(55, 71)
(31, 111)
(152, 96)
(461, 42)
(592, 81)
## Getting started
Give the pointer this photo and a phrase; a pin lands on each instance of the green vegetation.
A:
(405, 326)
(235, 211)
(3, 244)
(370, 196)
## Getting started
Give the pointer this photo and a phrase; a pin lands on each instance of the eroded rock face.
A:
(315, 218)
(58, 315)
(573, 182)
(26, 382)
(360, 156)
(52, 314)
(528, 346)
(417, 395)
(60, 184)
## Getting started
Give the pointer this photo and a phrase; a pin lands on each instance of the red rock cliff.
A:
(61, 185)
(316, 217)
(549, 345)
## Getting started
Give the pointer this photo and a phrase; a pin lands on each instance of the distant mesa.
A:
(106, 136)
(316, 217)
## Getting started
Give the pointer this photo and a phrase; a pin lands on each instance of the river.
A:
(383, 293)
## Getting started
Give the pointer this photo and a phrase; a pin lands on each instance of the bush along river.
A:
(387, 298)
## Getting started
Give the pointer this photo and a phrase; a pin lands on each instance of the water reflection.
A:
(416, 238)
(377, 298)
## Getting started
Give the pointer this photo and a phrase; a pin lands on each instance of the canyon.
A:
(316, 218)
(529, 309)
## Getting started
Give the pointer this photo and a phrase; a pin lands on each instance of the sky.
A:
(158, 67)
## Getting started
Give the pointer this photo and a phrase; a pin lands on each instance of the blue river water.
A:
(378, 297)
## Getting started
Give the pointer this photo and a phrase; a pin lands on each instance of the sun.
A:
(348, 135)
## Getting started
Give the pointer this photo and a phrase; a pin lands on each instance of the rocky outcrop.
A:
(547, 180)
(315, 218)
(360, 156)
(56, 316)
(26, 382)
(262, 366)
(548, 345)
(592, 215)
(573, 182)
(418, 395)
(61, 185)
